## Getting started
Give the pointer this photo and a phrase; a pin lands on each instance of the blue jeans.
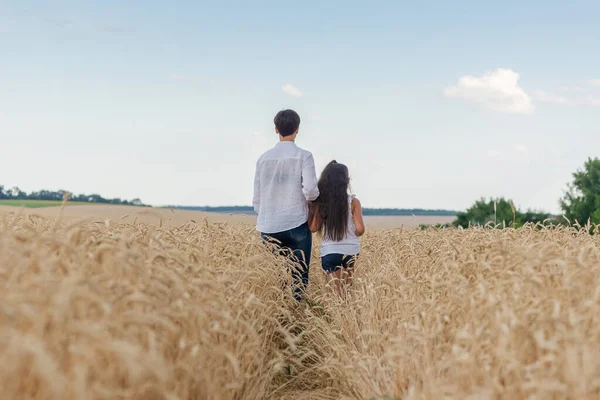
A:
(298, 242)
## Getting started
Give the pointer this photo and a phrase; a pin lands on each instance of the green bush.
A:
(504, 215)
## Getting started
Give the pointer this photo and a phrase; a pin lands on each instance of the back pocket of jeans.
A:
(299, 234)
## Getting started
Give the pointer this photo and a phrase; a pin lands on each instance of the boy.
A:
(284, 182)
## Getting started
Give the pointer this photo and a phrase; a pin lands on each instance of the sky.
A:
(431, 104)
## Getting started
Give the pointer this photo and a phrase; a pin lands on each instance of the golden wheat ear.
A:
(204, 310)
(514, 211)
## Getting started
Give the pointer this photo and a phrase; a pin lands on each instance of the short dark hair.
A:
(287, 122)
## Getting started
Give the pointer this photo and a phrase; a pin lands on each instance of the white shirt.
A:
(284, 182)
(349, 245)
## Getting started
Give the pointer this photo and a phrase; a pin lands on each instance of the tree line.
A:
(15, 193)
(579, 204)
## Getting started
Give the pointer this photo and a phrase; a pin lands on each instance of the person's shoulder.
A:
(305, 153)
(354, 200)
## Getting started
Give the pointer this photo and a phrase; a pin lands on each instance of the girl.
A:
(337, 216)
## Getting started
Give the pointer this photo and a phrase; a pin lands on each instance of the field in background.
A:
(166, 217)
(36, 203)
(104, 310)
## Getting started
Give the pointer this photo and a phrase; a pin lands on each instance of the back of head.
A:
(332, 203)
(287, 122)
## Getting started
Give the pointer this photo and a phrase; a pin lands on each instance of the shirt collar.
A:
(285, 143)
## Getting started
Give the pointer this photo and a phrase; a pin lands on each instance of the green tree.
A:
(505, 214)
(482, 212)
(16, 193)
(581, 201)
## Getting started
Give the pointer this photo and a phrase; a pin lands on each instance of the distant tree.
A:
(482, 213)
(16, 193)
(581, 201)
(534, 217)
(46, 195)
(96, 198)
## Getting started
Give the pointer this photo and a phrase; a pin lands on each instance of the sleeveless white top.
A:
(349, 245)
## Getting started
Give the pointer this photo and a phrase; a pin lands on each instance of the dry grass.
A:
(132, 311)
(131, 214)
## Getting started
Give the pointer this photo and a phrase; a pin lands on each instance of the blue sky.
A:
(431, 104)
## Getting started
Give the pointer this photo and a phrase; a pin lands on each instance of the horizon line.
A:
(371, 208)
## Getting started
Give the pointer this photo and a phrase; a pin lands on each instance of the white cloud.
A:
(291, 90)
(546, 97)
(594, 82)
(496, 90)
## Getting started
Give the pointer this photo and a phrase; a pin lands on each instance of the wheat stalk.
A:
(203, 311)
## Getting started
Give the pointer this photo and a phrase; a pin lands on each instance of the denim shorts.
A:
(333, 262)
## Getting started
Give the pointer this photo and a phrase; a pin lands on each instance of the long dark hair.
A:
(332, 203)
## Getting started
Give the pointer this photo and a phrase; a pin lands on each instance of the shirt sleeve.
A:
(256, 198)
(309, 179)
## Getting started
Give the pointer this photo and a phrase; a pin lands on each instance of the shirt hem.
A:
(352, 252)
(284, 229)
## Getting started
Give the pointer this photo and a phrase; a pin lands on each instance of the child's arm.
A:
(314, 218)
(309, 179)
(357, 217)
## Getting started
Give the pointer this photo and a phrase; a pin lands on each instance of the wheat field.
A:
(166, 217)
(113, 310)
